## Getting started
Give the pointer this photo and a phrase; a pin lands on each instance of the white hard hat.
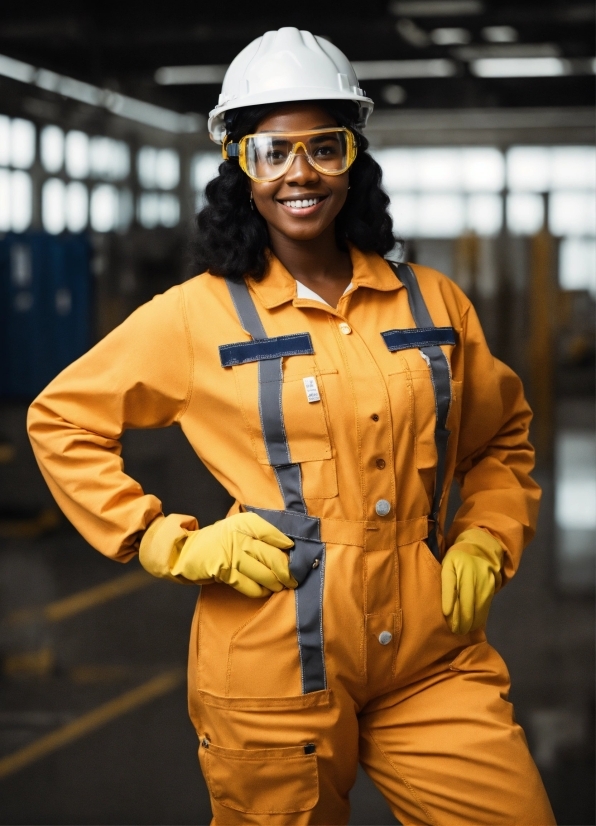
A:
(287, 65)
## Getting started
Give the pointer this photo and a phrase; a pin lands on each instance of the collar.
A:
(369, 270)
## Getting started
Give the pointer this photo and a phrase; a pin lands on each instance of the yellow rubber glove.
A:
(243, 551)
(470, 575)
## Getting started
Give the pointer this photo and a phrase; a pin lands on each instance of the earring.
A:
(252, 203)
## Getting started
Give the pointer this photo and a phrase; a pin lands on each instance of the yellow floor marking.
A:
(64, 735)
(29, 663)
(83, 600)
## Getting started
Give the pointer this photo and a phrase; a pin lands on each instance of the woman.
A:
(335, 396)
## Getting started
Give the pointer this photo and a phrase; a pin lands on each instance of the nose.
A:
(300, 171)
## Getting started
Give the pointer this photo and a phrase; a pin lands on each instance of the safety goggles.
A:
(267, 156)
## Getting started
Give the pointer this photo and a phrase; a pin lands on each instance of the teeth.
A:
(303, 204)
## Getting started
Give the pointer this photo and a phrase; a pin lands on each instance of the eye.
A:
(276, 155)
(329, 149)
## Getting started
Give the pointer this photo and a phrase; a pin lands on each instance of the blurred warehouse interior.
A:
(484, 129)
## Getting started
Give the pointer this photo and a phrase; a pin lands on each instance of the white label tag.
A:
(312, 390)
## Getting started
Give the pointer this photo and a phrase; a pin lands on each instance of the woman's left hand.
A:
(470, 575)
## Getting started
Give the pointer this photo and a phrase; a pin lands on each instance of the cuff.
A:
(162, 542)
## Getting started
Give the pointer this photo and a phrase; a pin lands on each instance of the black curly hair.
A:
(232, 240)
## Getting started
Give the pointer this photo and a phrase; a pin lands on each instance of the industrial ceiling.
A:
(410, 54)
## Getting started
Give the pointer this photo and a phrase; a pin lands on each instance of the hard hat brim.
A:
(217, 115)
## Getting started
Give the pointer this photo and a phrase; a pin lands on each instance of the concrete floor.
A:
(139, 766)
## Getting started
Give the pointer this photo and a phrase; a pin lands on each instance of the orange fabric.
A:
(162, 366)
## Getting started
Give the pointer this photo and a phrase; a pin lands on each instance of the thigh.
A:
(269, 753)
(448, 751)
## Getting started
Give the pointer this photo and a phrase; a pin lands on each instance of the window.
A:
(104, 208)
(444, 192)
(484, 214)
(203, 169)
(577, 264)
(16, 200)
(17, 150)
(52, 206)
(76, 206)
(52, 148)
(572, 213)
(156, 209)
(575, 507)
(108, 159)
(76, 153)
(525, 213)
(158, 168)
(22, 143)
(167, 169)
(440, 216)
(528, 169)
(4, 140)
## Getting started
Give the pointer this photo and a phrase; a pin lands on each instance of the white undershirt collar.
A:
(302, 291)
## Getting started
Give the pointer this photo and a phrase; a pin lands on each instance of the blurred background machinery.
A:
(484, 130)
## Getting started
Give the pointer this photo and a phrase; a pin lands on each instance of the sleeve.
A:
(494, 456)
(138, 376)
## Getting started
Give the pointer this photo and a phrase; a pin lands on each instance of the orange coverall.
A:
(424, 711)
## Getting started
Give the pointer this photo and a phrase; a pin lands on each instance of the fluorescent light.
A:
(519, 67)
(450, 37)
(181, 75)
(152, 115)
(507, 50)
(412, 33)
(435, 8)
(499, 34)
(16, 69)
(394, 94)
(122, 105)
(390, 69)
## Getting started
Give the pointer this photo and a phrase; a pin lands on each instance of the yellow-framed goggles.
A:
(266, 156)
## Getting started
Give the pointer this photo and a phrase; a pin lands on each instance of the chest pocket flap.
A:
(303, 404)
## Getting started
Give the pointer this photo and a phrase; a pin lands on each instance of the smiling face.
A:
(303, 203)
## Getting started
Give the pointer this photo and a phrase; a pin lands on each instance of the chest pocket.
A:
(414, 377)
(306, 422)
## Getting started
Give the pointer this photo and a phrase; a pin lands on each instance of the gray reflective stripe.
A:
(245, 307)
(306, 550)
(307, 558)
(309, 621)
(296, 525)
(441, 379)
(274, 432)
(289, 479)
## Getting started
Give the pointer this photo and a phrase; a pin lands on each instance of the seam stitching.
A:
(408, 785)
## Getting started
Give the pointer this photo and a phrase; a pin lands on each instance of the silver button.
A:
(345, 328)
(385, 637)
(382, 507)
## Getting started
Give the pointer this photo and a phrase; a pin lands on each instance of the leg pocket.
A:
(261, 781)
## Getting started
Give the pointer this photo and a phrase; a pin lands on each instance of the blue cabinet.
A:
(45, 309)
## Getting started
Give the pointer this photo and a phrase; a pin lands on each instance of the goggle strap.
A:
(233, 150)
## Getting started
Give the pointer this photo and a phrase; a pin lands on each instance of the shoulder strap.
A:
(441, 380)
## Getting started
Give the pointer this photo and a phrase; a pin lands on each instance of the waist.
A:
(370, 535)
